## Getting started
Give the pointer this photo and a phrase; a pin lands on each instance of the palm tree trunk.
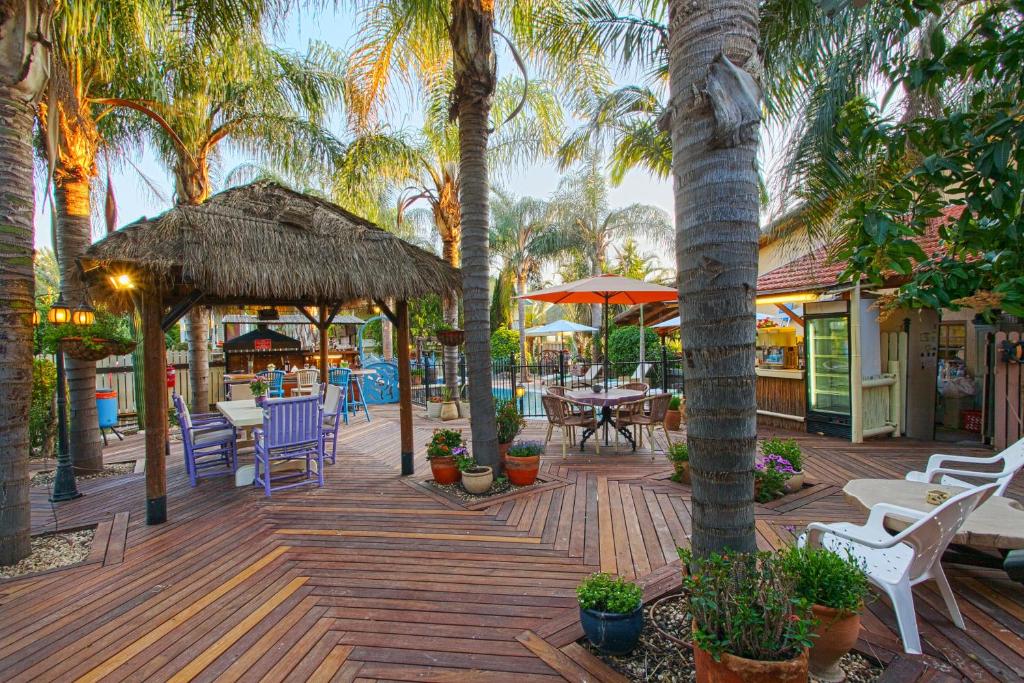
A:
(450, 312)
(73, 213)
(199, 357)
(22, 78)
(474, 65)
(521, 310)
(716, 203)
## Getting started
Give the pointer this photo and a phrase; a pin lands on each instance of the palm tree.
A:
(234, 90)
(524, 238)
(717, 203)
(580, 206)
(423, 168)
(23, 74)
(87, 64)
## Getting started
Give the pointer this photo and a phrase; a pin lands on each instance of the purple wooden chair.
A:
(210, 441)
(334, 409)
(292, 431)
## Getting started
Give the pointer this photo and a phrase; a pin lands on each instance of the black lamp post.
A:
(64, 487)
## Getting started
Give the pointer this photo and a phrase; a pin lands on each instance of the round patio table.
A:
(605, 400)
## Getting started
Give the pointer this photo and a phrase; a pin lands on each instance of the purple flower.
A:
(459, 450)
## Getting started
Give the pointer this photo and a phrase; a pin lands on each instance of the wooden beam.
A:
(386, 310)
(155, 382)
(180, 310)
(404, 385)
(789, 311)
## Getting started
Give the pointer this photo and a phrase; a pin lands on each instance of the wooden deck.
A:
(371, 577)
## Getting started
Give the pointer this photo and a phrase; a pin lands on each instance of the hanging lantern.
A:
(84, 315)
(36, 318)
(59, 313)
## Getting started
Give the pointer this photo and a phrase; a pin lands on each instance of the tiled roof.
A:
(817, 271)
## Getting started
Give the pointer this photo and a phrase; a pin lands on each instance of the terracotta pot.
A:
(683, 470)
(794, 483)
(836, 633)
(522, 471)
(449, 411)
(477, 480)
(733, 669)
(434, 409)
(672, 420)
(444, 470)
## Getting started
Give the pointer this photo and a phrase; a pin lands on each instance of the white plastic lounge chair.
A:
(590, 376)
(897, 563)
(938, 469)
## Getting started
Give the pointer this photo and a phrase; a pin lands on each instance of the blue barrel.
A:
(106, 408)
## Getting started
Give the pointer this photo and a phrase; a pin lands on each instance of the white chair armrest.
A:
(816, 529)
(880, 511)
(935, 474)
(939, 459)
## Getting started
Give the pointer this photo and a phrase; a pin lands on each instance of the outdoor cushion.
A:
(215, 437)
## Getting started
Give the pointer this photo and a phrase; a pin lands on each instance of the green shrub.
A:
(770, 475)
(786, 448)
(42, 422)
(675, 402)
(505, 344)
(827, 578)
(679, 455)
(508, 420)
(624, 352)
(746, 605)
(604, 593)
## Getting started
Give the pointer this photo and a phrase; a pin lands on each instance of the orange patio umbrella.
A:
(605, 289)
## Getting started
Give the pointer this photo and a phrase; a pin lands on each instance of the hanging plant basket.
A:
(94, 348)
(451, 337)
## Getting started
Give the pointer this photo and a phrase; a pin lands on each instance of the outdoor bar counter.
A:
(781, 398)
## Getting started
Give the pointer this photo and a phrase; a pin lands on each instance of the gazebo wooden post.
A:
(155, 382)
(404, 385)
(323, 325)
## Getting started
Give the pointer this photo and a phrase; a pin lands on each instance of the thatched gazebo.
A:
(260, 244)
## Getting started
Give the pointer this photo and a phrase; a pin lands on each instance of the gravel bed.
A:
(658, 657)
(496, 489)
(46, 477)
(52, 551)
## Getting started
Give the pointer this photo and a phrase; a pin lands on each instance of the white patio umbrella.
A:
(559, 327)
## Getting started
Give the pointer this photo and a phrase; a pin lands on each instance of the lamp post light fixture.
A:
(64, 486)
(520, 393)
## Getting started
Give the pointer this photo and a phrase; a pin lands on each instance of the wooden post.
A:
(155, 382)
(404, 386)
(856, 378)
(323, 325)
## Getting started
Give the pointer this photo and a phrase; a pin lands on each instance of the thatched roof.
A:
(263, 242)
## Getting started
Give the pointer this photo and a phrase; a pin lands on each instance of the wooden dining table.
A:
(605, 400)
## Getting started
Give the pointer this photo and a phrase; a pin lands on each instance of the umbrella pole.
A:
(606, 343)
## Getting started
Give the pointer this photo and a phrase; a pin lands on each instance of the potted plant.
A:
(509, 424)
(522, 460)
(674, 417)
(441, 452)
(259, 387)
(611, 613)
(679, 454)
(788, 450)
(463, 405)
(836, 587)
(106, 335)
(747, 624)
(770, 475)
(450, 336)
(434, 406)
(417, 376)
(476, 479)
(449, 406)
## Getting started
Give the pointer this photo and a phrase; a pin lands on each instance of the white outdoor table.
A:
(997, 525)
(243, 414)
(605, 400)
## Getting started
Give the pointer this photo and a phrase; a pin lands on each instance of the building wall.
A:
(922, 343)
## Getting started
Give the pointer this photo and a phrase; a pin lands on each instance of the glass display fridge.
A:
(828, 373)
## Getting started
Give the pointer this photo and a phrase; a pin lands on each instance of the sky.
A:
(135, 198)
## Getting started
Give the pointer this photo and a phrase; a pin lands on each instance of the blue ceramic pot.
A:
(612, 633)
